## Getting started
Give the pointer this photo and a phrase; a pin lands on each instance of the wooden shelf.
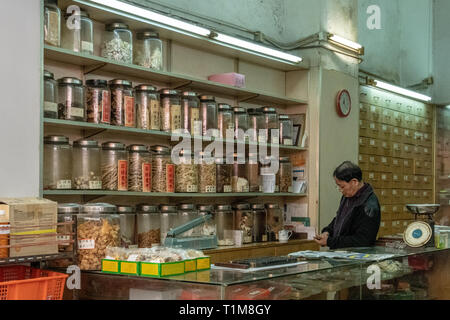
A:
(35, 258)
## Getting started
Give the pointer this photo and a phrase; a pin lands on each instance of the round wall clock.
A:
(343, 103)
(417, 234)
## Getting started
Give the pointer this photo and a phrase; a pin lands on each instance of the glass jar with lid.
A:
(269, 181)
(98, 101)
(208, 112)
(225, 121)
(284, 175)
(208, 228)
(256, 123)
(259, 222)
(170, 110)
(286, 130)
(123, 109)
(254, 183)
(78, 32)
(163, 170)
(206, 173)
(223, 217)
(127, 216)
(186, 213)
(169, 220)
(239, 179)
(114, 166)
(148, 51)
(240, 123)
(98, 227)
(243, 220)
(86, 173)
(57, 163)
(223, 176)
(274, 221)
(186, 173)
(270, 125)
(71, 99)
(67, 213)
(147, 107)
(50, 96)
(117, 43)
(190, 105)
(52, 23)
(148, 225)
(139, 168)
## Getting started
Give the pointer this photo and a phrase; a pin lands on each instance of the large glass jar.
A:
(206, 173)
(191, 122)
(223, 176)
(269, 181)
(225, 121)
(114, 166)
(57, 163)
(256, 123)
(284, 175)
(52, 23)
(186, 173)
(148, 52)
(123, 109)
(86, 174)
(71, 99)
(240, 123)
(186, 213)
(117, 43)
(98, 101)
(208, 228)
(98, 227)
(169, 218)
(223, 217)
(286, 130)
(254, 182)
(139, 168)
(163, 170)
(148, 225)
(274, 221)
(67, 213)
(147, 107)
(259, 222)
(78, 32)
(243, 220)
(127, 215)
(170, 110)
(271, 123)
(239, 179)
(50, 96)
(208, 111)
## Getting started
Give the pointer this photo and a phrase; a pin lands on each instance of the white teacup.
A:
(284, 235)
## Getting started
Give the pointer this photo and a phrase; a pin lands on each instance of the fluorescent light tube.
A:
(345, 42)
(405, 92)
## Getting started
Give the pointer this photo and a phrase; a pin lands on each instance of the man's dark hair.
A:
(347, 171)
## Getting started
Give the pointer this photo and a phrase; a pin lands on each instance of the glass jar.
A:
(52, 23)
(78, 32)
(170, 110)
(148, 225)
(147, 107)
(274, 221)
(225, 120)
(139, 168)
(98, 227)
(223, 176)
(259, 222)
(186, 173)
(240, 123)
(206, 173)
(86, 174)
(169, 219)
(123, 110)
(223, 217)
(284, 175)
(71, 99)
(269, 181)
(98, 101)
(243, 220)
(117, 43)
(114, 166)
(256, 123)
(186, 213)
(163, 170)
(254, 183)
(127, 216)
(286, 130)
(208, 228)
(148, 51)
(239, 179)
(67, 213)
(190, 105)
(208, 111)
(57, 163)
(50, 96)
(270, 123)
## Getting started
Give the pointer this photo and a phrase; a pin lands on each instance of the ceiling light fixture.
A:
(345, 43)
(399, 90)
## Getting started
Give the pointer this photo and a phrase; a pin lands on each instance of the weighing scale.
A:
(173, 238)
(421, 233)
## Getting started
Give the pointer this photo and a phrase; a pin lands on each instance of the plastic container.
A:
(191, 121)
(269, 181)
(286, 130)
(207, 174)
(71, 99)
(208, 111)
(171, 112)
(148, 225)
(223, 176)
(114, 166)
(86, 173)
(148, 50)
(169, 219)
(186, 213)
(239, 179)
(274, 221)
(50, 96)
(254, 181)
(223, 218)
(117, 43)
(123, 109)
(147, 107)
(52, 23)
(259, 222)
(208, 228)
(240, 123)
(270, 125)
(284, 175)
(98, 101)
(163, 170)
(78, 32)
(186, 174)
(139, 168)
(225, 121)
(57, 163)
(127, 216)
(256, 123)
(243, 220)
(67, 213)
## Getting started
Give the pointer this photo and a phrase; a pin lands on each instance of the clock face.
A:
(417, 234)
(344, 103)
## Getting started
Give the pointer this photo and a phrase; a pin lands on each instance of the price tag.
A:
(228, 188)
(86, 244)
(170, 178)
(192, 188)
(95, 185)
(50, 106)
(287, 142)
(146, 177)
(129, 111)
(75, 112)
(64, 184)
(210, 189)
(106, 107)
(123, 175)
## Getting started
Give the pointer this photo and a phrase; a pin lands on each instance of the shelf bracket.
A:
(244, 99)
(93, 134)
(183, 84)
(94, 68)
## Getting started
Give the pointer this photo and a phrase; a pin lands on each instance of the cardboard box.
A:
(231, 78)
(33, 223)
(363, 111)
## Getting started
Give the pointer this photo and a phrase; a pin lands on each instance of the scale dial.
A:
(417, 234)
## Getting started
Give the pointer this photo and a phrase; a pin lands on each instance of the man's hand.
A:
(322, 239)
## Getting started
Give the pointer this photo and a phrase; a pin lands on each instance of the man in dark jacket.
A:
(358, 218)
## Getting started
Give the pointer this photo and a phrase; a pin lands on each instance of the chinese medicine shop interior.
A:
(179, 150)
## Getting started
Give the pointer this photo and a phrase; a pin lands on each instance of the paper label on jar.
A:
(175, 117)
(262, 138)
(196, 127)
(63, 238)
(52, 34)
(275, 140)
(129, 111)
(64, 184)
(192, 188)
(95, 185)
(75, 112)
(106, 107)
(287, 142)
(210, 189)
(154, 115)
(87, 46)
(227, 188)
(50, 106)
(170, 178)
(122, 184)
(4, 229)
(86, 244)
(146, 177)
